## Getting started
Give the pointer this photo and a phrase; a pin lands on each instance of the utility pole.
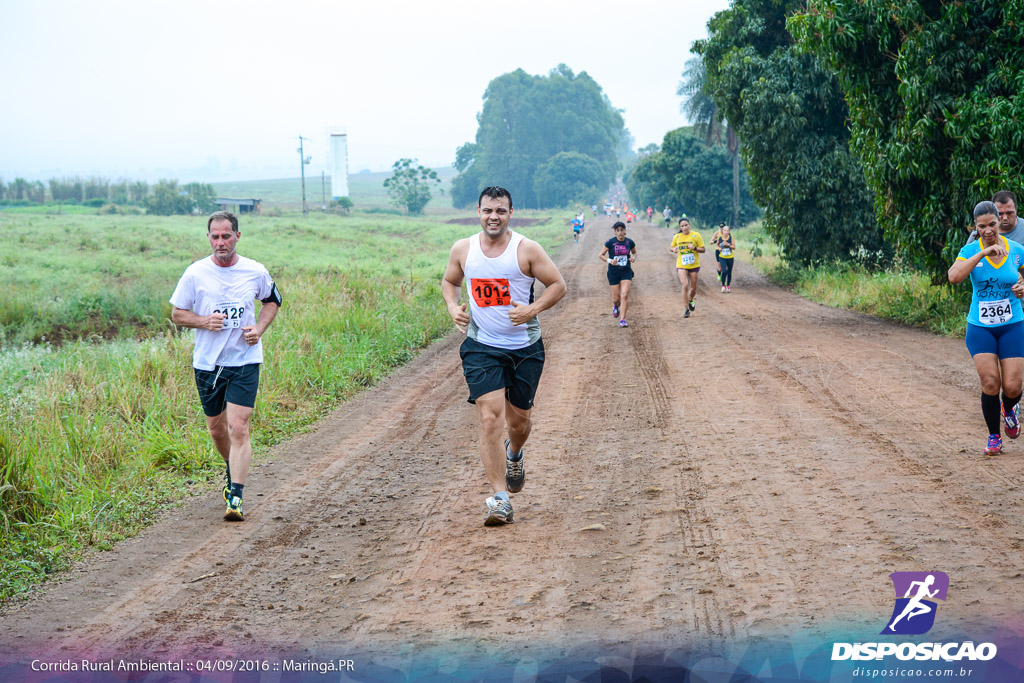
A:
(303, 161)
(323, 190)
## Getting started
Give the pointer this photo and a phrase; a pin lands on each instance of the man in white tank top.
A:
(503, 355)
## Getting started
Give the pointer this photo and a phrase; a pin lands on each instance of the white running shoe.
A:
(498, 512)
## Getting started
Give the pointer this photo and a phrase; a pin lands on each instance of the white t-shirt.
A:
(206, 288)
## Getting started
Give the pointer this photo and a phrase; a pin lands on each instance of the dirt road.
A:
(758, 469)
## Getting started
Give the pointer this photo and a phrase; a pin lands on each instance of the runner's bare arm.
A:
(543, 268)
(961, 268)
(213, 322)
(604, 256)
(451, 285)
(266, 316)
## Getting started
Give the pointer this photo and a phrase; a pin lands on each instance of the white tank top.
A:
(493, 284)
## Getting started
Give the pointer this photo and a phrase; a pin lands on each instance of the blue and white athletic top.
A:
(992, 303)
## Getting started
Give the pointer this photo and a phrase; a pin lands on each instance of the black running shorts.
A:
(617, 274)
(225, 385)
(488, 368)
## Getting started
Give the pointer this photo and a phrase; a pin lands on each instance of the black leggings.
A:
(726, 271)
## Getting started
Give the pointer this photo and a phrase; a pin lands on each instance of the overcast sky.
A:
(213, 90)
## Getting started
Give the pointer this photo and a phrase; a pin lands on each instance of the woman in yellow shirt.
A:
(689, 246)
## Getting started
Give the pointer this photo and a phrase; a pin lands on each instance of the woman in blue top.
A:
(995, 323)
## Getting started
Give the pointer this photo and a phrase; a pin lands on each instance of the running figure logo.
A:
(914, 613)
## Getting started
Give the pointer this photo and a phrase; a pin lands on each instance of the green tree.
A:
(525, 121)
(341, 205)
(138, 191)
(37, 192)
(410, 187)
(568, 177)
(699, 105)
(790, 115)
(201, 196)
(647, 186)
(119, 192)
(97, 188)
(936, 104)
(168, 199)
(19, 188)
(700, 178)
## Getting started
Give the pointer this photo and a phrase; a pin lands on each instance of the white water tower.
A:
(338, 145)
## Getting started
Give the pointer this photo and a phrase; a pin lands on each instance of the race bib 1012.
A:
(490, 292)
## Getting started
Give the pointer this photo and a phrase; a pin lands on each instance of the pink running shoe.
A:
(623, 323)
(995, 445)
(1012, 421)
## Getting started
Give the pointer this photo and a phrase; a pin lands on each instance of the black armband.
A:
(275, 295)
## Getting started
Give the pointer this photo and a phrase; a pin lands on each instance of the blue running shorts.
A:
(1006, 341)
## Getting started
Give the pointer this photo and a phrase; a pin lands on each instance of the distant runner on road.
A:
(620, 253)
(503, 354)
(650, 214)
(718, 257)
(577, 226)
(727, 256)
(667, 213)
(216, 297)
(995, 321)
(689, 245)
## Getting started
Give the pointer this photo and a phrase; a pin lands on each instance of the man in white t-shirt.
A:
(216, 296)
(503, 354)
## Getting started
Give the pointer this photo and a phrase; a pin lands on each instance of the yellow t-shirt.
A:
(688, 257)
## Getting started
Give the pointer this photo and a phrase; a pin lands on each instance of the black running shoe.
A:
(515, 471)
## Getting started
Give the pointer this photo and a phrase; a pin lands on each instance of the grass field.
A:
(99, 422)
(365, 189)
(898, 293)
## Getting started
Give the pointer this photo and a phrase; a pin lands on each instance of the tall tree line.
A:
(872, 125)
(789, 115)
(165, 198)
(936, 102)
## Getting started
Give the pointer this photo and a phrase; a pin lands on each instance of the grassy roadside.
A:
(98, 433)
(897, 294)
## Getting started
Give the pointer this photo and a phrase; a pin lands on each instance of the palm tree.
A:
(699, 106)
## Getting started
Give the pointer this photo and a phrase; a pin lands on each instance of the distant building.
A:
(338, 145)
(239, 205)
